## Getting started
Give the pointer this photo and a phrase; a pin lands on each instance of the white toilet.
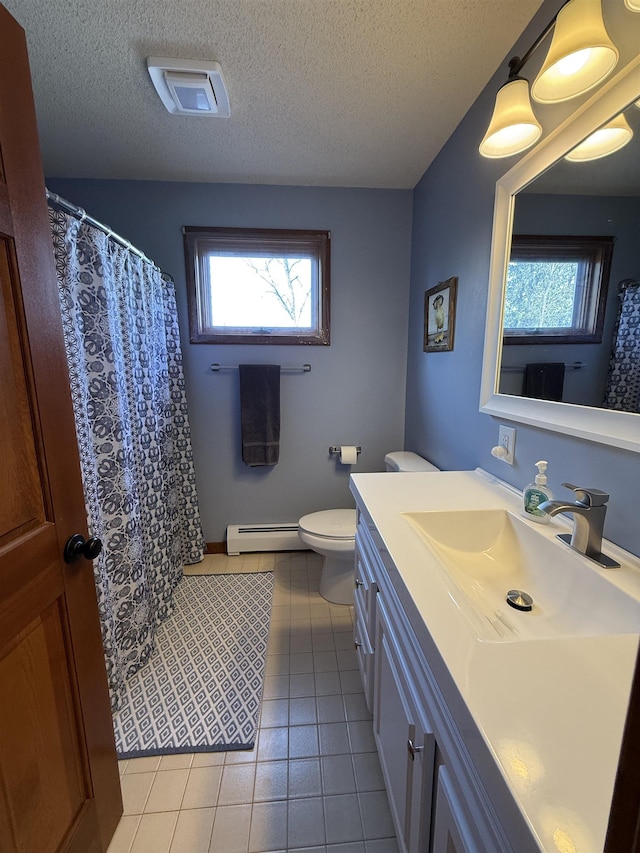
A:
(332, 533)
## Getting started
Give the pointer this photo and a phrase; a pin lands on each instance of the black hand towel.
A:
(260, 413)
(544, 380)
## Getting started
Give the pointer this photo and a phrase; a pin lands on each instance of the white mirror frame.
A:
(617, 429)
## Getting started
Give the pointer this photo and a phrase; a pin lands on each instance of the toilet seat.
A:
(332, 533)
(330, 524)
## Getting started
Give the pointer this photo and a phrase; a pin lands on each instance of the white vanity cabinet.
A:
(435, 795)
(405, 738)
(452, 831)
(486, 738)
(365, 609)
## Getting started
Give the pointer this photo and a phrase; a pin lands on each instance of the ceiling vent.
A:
(190, 87)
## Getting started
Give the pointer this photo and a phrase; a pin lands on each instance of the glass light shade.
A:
(609, 138)
(632, 5)
(581, 54)
(513, 126)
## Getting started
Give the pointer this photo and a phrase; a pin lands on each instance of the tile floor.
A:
(312, 784)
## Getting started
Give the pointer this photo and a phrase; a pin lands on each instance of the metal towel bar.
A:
(306, 368)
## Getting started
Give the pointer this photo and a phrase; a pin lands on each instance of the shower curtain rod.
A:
(83, 216)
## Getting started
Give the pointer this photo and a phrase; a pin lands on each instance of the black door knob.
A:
(77, 547)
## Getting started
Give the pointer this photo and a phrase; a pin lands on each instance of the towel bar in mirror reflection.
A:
(520, 368)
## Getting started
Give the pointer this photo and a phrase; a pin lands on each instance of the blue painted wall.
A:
(453, 212)
(355, 393)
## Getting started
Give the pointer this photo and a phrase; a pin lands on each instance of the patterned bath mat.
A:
(200, 690)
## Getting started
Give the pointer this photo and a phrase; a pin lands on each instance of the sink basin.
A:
(483, 554)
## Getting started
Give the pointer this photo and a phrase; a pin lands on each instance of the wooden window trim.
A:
(197, 239)
(599, 250)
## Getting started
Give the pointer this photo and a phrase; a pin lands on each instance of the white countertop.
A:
(550, 711)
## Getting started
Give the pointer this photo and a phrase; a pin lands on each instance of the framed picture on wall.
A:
(440, 316)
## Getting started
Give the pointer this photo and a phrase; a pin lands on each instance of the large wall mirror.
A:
(549, 365)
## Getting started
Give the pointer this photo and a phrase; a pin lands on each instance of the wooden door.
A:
(59, 787)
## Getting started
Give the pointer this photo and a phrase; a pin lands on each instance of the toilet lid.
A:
(332, 523)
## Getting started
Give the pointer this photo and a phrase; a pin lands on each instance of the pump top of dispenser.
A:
(541, 476)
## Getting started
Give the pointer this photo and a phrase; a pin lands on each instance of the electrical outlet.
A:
(507, 439)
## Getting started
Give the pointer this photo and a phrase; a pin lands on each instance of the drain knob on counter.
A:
(519, 599)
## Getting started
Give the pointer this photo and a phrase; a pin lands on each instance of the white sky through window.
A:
(243, 297)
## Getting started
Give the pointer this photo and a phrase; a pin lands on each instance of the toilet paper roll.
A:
(348, 454)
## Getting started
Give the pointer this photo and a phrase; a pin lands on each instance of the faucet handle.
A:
(588, 497)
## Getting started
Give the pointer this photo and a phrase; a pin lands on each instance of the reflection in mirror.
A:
(556, 289)
(559, 358)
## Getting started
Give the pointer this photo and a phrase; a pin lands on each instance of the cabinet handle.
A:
(358, 583)
(357, 644)
(413, 749)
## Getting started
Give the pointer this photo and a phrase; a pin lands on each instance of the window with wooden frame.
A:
(556, 289)
(258, 286)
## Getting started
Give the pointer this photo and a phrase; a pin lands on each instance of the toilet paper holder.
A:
(336, 448)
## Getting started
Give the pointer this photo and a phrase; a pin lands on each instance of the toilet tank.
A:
(404, 460)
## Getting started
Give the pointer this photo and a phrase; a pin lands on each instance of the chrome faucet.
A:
(588, 511)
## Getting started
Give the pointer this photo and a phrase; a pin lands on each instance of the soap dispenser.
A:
(536, 493)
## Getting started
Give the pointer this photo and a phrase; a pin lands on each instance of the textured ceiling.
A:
(323, 92)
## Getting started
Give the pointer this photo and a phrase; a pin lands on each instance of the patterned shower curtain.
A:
(623, 383)
(125, 365)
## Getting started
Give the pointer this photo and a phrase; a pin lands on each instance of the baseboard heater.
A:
(244, 538)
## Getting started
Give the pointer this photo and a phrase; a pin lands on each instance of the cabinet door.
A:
(362, 594)
(451, 830)
(405, 740)
(366, 587)
(364, 653)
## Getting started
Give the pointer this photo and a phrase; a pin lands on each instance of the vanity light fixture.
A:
(580, 57)
(609, 138)
(513, 126)
(581, 54)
